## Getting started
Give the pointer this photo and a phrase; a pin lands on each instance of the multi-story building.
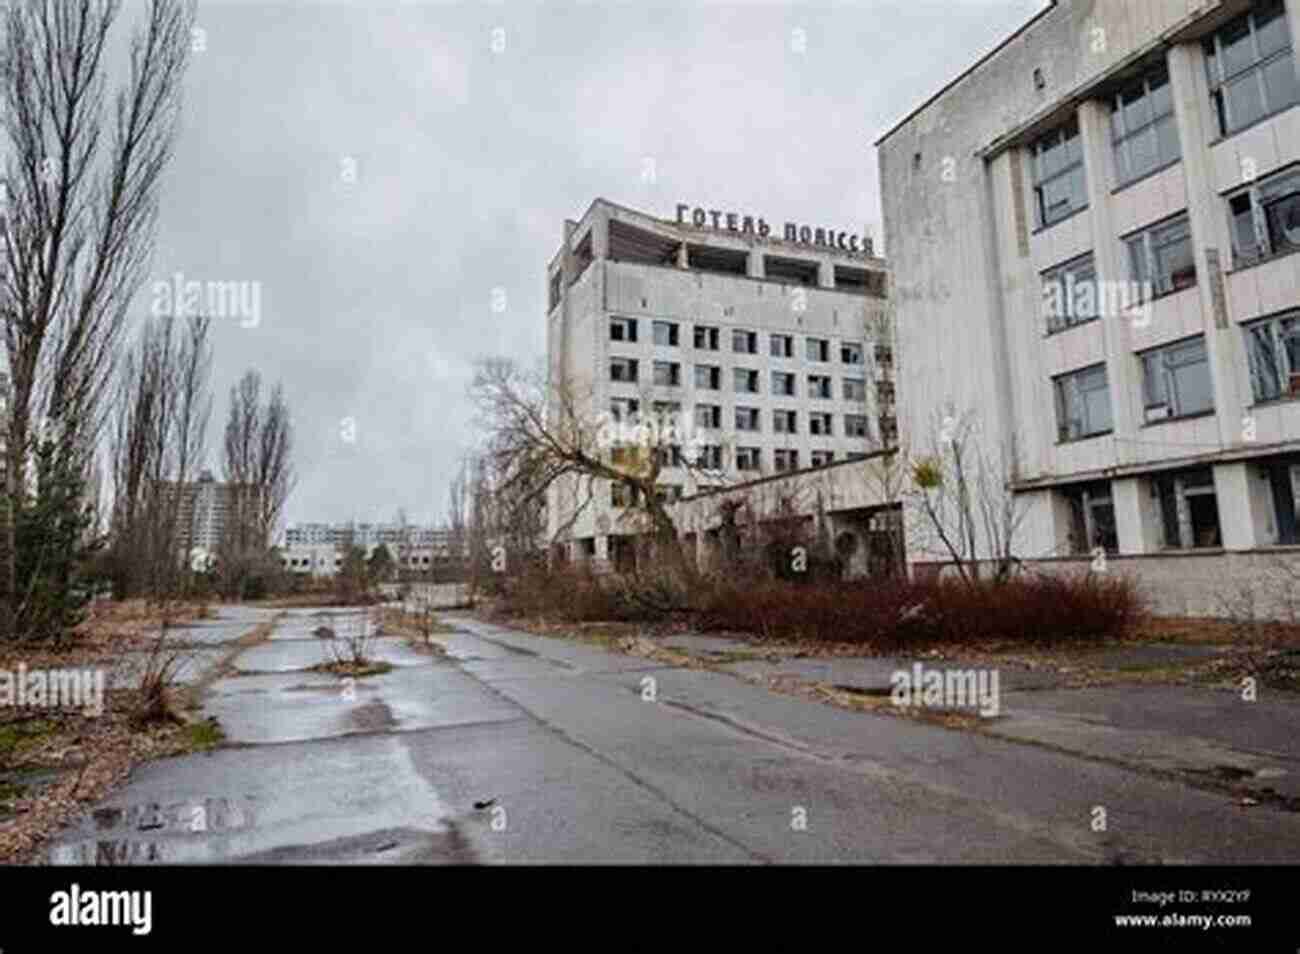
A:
(1092, 236)
(205, 510)
(759, 346)
(316, 548)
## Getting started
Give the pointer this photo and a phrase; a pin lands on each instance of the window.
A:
(622, 369)
(670, 456)
(1142, 127)
(818, 349)
(706, 338)
(1082, 404)
(1266, 218)
(1189, 510)
(851, 352)
(820, 458)
(709, 457)
(624, 409)
(1176, 380)
(783, 383)
(855, 389)
(747, 419)
(819, 386)
(668, 415)
(1070, 294)
(819, 424)
(708, 415)
(746, 381)
(708, 377)
(855, 425)
(1273, 349)
(782, 346)
(785, 422)
(785, 460)
(665, 334)
(667, 374)
(1250, 67)
(1161, 257)
(744, 342)
(1284, 477)
(749, 458)
(622, 329)
(1060, 186)
(1092, 518)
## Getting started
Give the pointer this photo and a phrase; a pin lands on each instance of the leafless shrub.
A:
(350, 647)
(153, 704)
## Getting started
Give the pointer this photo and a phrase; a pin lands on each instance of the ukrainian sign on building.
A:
(702, 218)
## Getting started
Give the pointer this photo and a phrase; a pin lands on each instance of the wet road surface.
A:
(522, 749)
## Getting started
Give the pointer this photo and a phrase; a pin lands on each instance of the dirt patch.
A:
(353, 668)
(74, 760)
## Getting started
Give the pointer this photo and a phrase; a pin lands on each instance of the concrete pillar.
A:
(826, 274)
(1136, 520)
(1094, 130)
(600, 236)
(1210, 236)
(754, 264)
(1245, 510)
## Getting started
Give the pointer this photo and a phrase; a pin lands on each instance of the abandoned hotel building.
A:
(759, 342)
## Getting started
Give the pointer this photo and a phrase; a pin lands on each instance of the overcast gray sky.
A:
(380, 169)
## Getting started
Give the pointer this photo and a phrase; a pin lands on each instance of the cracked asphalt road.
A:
(572, 762)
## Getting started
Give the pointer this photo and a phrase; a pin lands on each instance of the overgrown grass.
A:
(204, 736)
(19, 735)
(892, 615)
(576, 595)
(879, 614)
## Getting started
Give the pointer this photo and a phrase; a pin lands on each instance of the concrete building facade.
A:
(205, 509)
(761, 344)
(316, 549)
(1092, 234)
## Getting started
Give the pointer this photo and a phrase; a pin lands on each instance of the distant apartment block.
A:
(317, 548)
(1093, 235)
(206, 508)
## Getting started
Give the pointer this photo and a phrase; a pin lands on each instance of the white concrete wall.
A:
(966, 261)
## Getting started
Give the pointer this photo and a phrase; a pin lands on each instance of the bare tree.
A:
(80, 201)
(258, 459)
(257, 462)
(544, 434)
(962, 488)
(158, 439)
(458, 513)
